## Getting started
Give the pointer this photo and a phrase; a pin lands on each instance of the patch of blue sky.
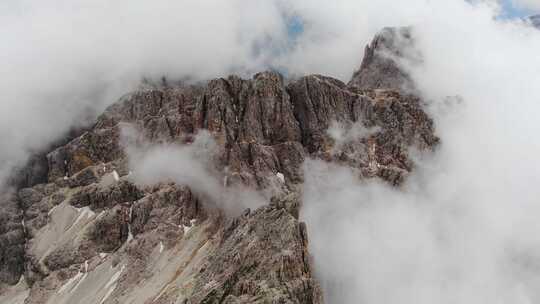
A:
(512, 11)
(272, 49)
(295, 26)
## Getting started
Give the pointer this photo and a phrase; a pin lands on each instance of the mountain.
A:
(83, 231)
(535, 20)
(379, 70)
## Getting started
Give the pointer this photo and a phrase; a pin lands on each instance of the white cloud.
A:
(64, 61)
(191, 165)
(465, 229)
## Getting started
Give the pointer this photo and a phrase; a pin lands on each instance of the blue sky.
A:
(296, 27)
(510, 11)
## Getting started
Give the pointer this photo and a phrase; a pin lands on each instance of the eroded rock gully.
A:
(73, 238)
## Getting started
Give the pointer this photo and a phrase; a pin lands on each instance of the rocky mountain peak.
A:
(379, 68)
(88, 233)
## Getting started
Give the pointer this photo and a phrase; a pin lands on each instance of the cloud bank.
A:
(64, 61)
(462, 231)
(192, 165)
(464, 227)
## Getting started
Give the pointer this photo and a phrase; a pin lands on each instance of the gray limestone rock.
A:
(380, 68)
(90, 238)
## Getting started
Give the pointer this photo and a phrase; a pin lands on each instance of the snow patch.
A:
(21, 282)
(82, 278)
(103, 255)
(161, 247)
(281, 177)
(115, 175)
(210, 285)
(111, 284)
(79, 283)
(188, 228)
(100, 214)
(130, 234)
(75, 278)
(107, 295)
(161, 293)
(69, 282)
(115, 277)
(83, 212)
(52, 210)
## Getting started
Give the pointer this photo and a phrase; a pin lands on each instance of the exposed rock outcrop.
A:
(379, 68)
(12, 239)
(92, 235)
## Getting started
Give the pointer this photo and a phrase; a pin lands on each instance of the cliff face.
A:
(90, 234)
(379, 69)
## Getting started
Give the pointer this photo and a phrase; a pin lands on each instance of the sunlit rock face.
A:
(87, 232)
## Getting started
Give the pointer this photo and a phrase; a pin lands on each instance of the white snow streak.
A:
(115, 175)
(130, 234)
(83, 212)
(112, 284)
(70, 282)
(115, 277)
(78, 278)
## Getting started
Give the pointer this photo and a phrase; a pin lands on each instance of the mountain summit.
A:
(90, 233)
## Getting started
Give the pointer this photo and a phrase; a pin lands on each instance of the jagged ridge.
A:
(184, 249)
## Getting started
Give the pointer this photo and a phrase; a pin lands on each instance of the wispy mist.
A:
(463, 229)
(193, 165)
(64, 61)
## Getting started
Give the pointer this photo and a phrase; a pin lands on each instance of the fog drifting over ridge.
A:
(464, 227)
(64, 61)
(190, 165)
(462, 230)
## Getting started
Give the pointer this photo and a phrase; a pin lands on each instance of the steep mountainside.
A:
(379, 70)
(90, 234)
